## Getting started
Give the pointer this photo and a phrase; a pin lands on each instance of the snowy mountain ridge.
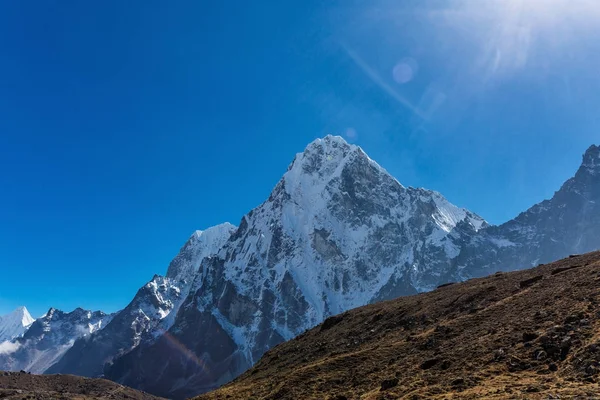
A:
(49, 337)
(151, 312)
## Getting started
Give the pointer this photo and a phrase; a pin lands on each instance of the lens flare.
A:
(351, 134)
(405, 70)
(187, 353)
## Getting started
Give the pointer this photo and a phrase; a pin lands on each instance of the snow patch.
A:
(501, 242)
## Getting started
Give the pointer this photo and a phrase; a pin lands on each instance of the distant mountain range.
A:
(337, 232)
(48, 338)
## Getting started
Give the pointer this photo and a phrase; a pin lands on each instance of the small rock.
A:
(331, 322)
(458, 382)
(499, 355)
(575, 318)
(529, 336)
(528, 282)
(429, 363)
(445, 365)
(591, 370)
(539, 355)
(389, 383)
(533, 389)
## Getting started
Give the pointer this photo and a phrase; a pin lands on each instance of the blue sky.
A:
(125, 126)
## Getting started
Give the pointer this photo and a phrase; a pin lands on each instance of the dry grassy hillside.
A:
(532, 334)
(20, 385)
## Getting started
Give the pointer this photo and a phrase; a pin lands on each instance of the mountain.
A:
(49, 337)
(21, 385)
(567, 223)
(337, 232)
(520, 335)
(150, 313)
(14, 324)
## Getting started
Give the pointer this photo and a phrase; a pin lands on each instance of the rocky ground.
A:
(21, 385)
(532, 334)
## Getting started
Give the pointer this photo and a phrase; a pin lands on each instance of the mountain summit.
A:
(14, 324)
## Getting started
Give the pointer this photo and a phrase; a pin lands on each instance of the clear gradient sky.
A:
(125, 126)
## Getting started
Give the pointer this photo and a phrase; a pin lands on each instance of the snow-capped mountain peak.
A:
(321, 161)
(15, 324)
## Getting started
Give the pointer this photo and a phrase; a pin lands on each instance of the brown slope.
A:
(529, 334)
(21, 385)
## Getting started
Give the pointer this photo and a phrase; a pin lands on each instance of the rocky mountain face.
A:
(14, 324)
(568, 223)
(337, 232)
(150, 313)
(49, 337)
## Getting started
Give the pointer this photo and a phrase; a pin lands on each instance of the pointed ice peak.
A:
(27, 319)
(330, 150)
(323, 160)
(15, 324)
(591, 160)
(450, 215)
(21, 314)
(331, 141)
